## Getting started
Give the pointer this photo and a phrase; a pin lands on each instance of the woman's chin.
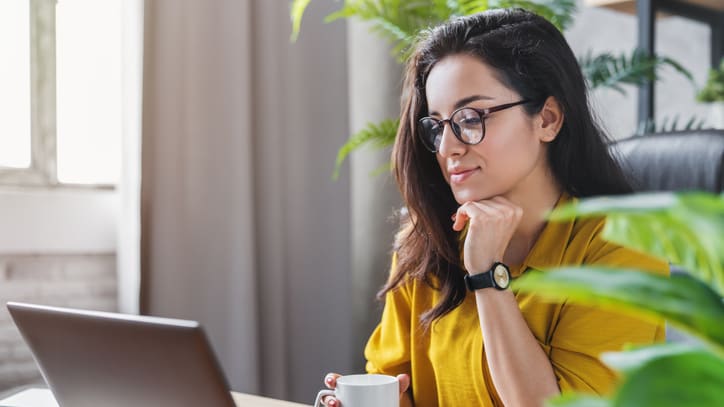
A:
(463, 195)
(466, 195)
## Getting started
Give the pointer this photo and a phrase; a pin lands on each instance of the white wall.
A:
(69, 220)
(57, 247)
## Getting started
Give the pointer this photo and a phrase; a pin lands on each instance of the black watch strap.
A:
(486, 280)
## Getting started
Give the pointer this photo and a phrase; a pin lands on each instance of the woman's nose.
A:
(449, 144)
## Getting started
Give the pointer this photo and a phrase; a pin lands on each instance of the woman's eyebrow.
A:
(464, 101)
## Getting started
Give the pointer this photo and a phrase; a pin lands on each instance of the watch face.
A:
(501, 276)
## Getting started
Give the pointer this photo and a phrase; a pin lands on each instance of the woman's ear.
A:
(551, 120)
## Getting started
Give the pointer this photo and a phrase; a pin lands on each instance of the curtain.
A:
(242, 227)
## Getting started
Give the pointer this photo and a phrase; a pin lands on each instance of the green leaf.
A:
(401, 21)
(379, 135)
(577, 400)
(683, 300)
(685, 228)
(441, 9)
(634, 203)
(468, 7)
(633, 359)
(713, 90)
(606, 70)
(688, 379)
(660, 375)
(382, 169)
(677, 67)
(660, 126)
(397, 21)
(558, 12)
(297, 11)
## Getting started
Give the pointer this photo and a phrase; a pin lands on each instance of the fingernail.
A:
(328, 379)
(332, 403)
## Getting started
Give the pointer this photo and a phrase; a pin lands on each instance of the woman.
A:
(496, 131)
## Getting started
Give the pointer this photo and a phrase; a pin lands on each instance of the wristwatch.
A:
(498, 277)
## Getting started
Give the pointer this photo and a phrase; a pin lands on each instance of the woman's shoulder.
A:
(589, 233)
(583, 240)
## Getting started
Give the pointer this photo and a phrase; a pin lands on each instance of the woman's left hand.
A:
(491, 224)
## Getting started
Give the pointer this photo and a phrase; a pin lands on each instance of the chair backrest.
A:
(675, 161)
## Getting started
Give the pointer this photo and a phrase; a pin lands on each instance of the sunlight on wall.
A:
(89, 91)
(15, 84)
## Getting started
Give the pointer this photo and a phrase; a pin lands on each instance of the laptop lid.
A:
(92, 358)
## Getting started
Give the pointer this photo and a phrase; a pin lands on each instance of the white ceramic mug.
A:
(364, 390)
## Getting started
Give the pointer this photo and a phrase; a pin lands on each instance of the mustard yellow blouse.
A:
(447, 364)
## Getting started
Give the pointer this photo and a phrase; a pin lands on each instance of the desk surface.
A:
(256, 401)
(37, 397)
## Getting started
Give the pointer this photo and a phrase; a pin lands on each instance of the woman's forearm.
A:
(520, 369)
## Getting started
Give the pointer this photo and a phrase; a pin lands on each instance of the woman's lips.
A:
(458, 176)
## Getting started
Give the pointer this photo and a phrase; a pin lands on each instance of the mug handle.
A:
(321, 395)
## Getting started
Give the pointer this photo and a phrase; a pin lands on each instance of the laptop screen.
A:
(91, 358)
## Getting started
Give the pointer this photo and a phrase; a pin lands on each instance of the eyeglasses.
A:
(467, 124)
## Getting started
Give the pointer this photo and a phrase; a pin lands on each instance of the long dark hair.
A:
(530, 56)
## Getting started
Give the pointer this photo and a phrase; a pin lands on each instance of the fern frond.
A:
(381, 169)
(669, 124)
(468, 7)
(558, 12)
(441, 9)
(609, 71)
(713, 91)
(678, 67)
(380, 135)
(396, 21)
(400, 21)
(695, 124)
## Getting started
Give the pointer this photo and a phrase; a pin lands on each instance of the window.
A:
(15, 81)
(60, 121)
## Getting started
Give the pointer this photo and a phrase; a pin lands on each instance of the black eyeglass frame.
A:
(483, 113)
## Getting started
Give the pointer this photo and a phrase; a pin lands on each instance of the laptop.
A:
(91, 358)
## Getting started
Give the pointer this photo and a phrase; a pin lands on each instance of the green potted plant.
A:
(713, 93)
(400, 21)
(687, 229)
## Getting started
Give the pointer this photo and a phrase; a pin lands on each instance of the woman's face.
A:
(511, 152)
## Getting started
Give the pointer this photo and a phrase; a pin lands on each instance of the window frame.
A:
(42, 171)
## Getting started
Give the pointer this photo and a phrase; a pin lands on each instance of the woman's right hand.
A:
(330, 380)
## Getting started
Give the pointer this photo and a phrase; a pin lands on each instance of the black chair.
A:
(675, 161)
